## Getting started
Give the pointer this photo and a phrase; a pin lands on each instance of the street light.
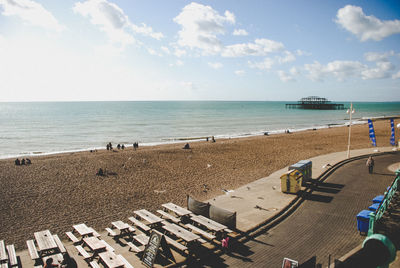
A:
(350, 112)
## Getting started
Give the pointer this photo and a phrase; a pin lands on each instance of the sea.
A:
(39, 128)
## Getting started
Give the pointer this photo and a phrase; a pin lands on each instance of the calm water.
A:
(33, 128)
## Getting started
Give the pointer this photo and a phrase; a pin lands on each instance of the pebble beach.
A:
(57, 191)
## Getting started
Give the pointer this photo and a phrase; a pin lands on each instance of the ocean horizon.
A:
(38, 128)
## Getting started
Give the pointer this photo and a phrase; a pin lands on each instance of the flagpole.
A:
(350, 111)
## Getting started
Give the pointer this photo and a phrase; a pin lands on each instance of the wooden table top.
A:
(180, 232)
(177, 209)
(45, 240)
(111, 260)
(210, 224)
(94, 243)
(120, 225)
(148, 216)
(83, 229)
(57, 258)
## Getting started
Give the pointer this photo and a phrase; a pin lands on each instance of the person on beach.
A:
(225, 243)
(135, 146)
(23, 161)
(212, 139)
(49, 263)
(123, 147)
(28, 161)
(108, 147)
(187, 146)
(68, 262)
(17, 162)
(119, 146)
(370, 164)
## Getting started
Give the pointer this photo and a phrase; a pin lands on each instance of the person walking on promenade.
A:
(370, 164)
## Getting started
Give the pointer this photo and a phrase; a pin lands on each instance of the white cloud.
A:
(179, 52)
(215, 65)
(153, 52)
(266, 64)
(200, 26)
(339, 69)
(380, 71)
(284, 76)
(300, 52)
(260, 47)
(396, 75)
(289, 57)
(112, 20)
(378, 57)
(179, 63)
(353, 19)
(240, 32)
(240, 72)
(31, 12)
(294, 71)
(165, 50)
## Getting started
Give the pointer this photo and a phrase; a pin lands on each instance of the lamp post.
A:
(350, 112)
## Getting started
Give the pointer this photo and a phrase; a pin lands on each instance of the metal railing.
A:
(374, 217)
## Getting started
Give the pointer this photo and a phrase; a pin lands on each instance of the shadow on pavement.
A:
(318, 198)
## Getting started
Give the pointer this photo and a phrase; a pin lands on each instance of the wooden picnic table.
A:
(95, 244)
(180, 232)
(180, 211)
(208, 223)
(148, 216)
(83, 229)
(111, 260)
(123, 227)
(57, 258)
(45, 242)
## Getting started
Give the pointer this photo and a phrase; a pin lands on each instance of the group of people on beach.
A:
(23, 161)
(119, 146)
(67, 262)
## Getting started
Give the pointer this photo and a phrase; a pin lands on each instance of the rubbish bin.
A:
(374, 207)
(305, 167)
(291, 181)
(378, 199)
(363, 221)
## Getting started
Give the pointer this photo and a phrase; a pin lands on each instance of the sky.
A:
(114, 50)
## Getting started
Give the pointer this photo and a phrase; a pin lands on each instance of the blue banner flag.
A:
(371, 132)
(392, 139)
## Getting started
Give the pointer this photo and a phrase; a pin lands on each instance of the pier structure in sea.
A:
(315, 103)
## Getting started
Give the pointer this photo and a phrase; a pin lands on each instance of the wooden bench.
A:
(32, 250)
(135, 248)
(12, 256)
(111, 232)
(228, 230)
(201, 241)
(4, 265)
(83, 252)
(94, 264)
(142, 239)
(140, 224)
(96, 234)
(168, 216)
(72, 237)
(127, 264)
(3, 254)
(109, 248)
(59, 244)
(200, 231)
(175, 244)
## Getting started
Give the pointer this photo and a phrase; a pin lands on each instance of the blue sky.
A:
(205, 50)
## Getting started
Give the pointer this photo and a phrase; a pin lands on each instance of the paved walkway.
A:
(324, 224)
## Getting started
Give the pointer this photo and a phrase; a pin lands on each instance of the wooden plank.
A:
(126, 263)
(174, 243)
(59, 244)
(82, 229)
(200, 231)
(12, 256)
(148, 216)
(177, 209)
(32, 250)
(142, 239)
(168, 216)
(3, 254)
(4, 265)
(111, 259)
(94, 243)
(94, 264)
(96, 234)
(180, 232)
(140, 224)
(72, 237)
(111, 232)
(135, 248)
(109, 248)
(83, 252)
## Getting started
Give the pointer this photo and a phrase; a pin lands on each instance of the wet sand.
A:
(57, 191)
